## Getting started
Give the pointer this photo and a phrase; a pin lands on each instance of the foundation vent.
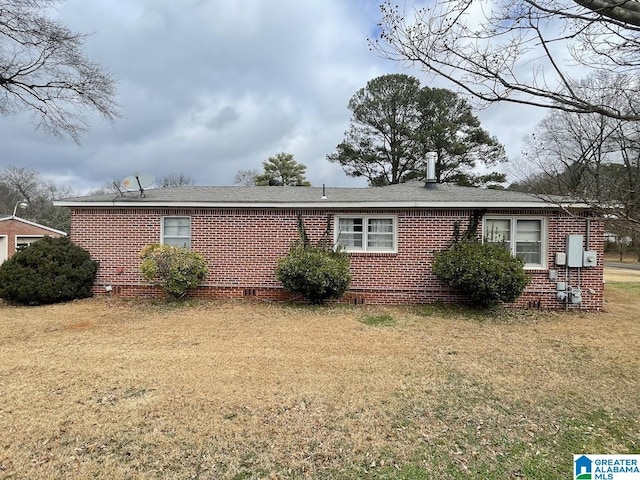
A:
(359, 300)
(534, 304)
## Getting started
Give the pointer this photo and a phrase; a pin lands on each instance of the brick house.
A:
(16, 232)
(391, 233)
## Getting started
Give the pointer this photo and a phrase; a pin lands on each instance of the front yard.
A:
(122, 389)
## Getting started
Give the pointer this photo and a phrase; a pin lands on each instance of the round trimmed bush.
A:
(316, 273)
(174, 269)
(50, 270)
(486, 272)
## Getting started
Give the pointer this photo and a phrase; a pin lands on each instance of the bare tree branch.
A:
(176, 180)
(44, 71)
(525, 52)
(589, 157)
(623, 11)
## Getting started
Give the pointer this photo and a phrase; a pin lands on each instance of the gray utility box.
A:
(575, 256)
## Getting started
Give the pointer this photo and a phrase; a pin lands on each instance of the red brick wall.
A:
(242, 247)
(15, 228)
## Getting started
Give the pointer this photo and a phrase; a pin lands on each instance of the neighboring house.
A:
(391, 232)
(16, 232)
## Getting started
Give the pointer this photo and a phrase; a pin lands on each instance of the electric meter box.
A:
(590, 258)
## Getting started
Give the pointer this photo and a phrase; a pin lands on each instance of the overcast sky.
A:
(210, 87)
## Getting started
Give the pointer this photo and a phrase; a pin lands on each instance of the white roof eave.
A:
(33, 224)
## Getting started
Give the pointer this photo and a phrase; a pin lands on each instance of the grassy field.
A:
(129, 389)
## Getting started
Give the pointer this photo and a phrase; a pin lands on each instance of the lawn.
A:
(138, 389)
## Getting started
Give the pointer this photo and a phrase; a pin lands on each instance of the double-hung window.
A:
(366, 233)
(523, 237)
(176, 231)
(24, 241)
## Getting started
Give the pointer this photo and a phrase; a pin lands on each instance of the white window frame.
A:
(4, 248)
(162, 227)
(365, 233)
(544, 236)
(30, 239)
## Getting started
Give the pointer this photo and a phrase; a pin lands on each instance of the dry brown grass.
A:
(627, 257)
(121, 389)
(623, 275)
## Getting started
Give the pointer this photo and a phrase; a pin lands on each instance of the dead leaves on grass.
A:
(217, 390)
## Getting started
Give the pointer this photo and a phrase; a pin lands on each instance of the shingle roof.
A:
(403, 195)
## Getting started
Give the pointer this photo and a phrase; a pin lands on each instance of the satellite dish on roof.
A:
(137, 182)
(129, 183)
(146, 180)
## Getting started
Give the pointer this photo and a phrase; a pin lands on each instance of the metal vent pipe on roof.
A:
(431, 180)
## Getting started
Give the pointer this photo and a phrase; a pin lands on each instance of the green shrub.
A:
(50, 270)
(486, 272)
(174, 269)
(316, 272)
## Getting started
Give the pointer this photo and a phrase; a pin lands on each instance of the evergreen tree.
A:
(395, 123)
(282, 169)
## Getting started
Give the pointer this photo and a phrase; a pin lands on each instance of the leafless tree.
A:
(526, 52)
(107, 188)
(20, 183)
(246, 178)
(44, 71)
(176, 180)
(592, 158)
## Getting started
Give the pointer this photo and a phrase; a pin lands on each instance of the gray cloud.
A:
(222, 119)
(209, 87)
